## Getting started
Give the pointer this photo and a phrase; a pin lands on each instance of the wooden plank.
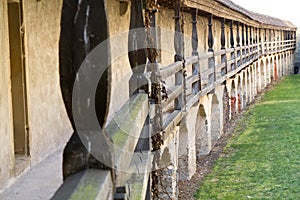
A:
(92, 184)
(125, 130)
(173, 93)
(192, 100)
(191, 60)
(138, 174)
(206, 56)
(171, 122)
(221, 65)
(192, 79)
(171, 69)
(220, 52)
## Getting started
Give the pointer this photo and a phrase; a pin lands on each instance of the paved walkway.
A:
(40, 182)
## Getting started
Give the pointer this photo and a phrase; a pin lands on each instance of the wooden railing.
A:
(232, 60)
(133, 171)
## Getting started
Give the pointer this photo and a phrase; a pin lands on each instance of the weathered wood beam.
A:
(125, 130)
(231, 35)
(250, 30)
(223, 33)
(178, 44)
(247, 38)
(196, 87)
(210, 37)
(92, 184)
(243, 34)
(237, 34)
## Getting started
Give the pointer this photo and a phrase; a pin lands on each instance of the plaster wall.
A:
(6, 130)
(49, 127)
(118, 14)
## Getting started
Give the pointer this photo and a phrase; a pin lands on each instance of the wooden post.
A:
(243, 34)
(210, 34)
(231, 35)
(256, 36)
(211, 61)
(178, 44)
(137, 57)
(250, 29)
(265, 35)
(247, 41)
(223, 33)
(223, 40)
(238, 34)
(196, 66)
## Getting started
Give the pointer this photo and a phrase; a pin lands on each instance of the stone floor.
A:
(39, 182)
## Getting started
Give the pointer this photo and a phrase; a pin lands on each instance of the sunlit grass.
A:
(263, 160)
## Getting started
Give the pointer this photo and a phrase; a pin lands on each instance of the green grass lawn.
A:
(262, 160)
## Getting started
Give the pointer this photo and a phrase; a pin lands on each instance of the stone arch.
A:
(280, 58)
(254, 82)
(215, 119)
(203, 139)
(262, 75)
(276, 72)
(244, 90)
(226, 108)
(257, 76)
(268, 72)
(232, 99)
(249, 73)
(272, 70)
(283, 64)
(289, 61)
(239, 96)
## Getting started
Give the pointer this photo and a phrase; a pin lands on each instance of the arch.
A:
(203, 140)
(276, 72)
(268, 72)
(280, 65)
(272, 70)
(239, 95)
(226, 108)
(232, 99)
(262, 76)
(244, 91)
(253, 82)
(249, 72)
(215, 119)
(284, 64)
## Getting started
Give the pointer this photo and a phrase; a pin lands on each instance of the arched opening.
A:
(249, 91)
(268, 72)
(283, 65)
(215, 120)
(203, 139)
(253, 82)
(244, 90)
(262, 75)
(233, 100)
(272, 70)
(257, 78)
(226, 108)
(239, 96)
(276, 72)
(280, 66)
